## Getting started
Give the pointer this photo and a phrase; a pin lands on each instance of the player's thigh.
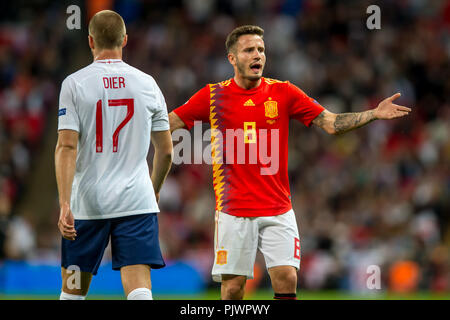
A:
(81, 258)
(235, 243)
(279, 240)
(135, 241)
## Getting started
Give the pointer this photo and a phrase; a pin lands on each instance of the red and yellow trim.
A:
(272, 81)
(218, 176)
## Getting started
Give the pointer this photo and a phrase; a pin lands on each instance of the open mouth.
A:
(256, 67)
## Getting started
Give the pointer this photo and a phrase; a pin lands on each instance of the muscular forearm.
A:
(161, 167)
(65, 163)
(334, 123)
(345, 122)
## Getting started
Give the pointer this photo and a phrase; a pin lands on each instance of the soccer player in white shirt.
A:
(108, 114)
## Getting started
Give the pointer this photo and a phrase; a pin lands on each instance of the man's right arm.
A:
(66, 155)
(175, 122)
(195, 109)
(65, 163)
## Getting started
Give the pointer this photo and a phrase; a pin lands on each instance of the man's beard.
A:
(241, 69)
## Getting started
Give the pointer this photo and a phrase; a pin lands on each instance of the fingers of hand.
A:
(395, 96)
(401, 108)
(69, 235)
(399, 114)
(71, 238)
(64, 223)
(67, 230)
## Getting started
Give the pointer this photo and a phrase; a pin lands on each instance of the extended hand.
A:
(389, 110)
(66, 223)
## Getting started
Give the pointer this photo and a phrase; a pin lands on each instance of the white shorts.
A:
(237, 239)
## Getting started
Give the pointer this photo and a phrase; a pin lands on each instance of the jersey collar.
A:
(108, 61)
(247, 91)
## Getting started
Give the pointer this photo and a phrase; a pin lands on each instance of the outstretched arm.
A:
(343, 122)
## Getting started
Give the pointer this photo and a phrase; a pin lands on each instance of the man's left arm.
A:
(162, 159)
(343, 122)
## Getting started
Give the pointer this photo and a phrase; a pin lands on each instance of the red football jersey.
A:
(249, 141)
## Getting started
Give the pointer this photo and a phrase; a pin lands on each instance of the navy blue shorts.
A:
(134, 240)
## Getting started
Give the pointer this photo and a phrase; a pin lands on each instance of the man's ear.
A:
(91, 42)
(125, 40)
(231, 58)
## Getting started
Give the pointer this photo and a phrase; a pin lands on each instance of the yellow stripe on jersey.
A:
(218, 177)
(272, 81)
(225, 83)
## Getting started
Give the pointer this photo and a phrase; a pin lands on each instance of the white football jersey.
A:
(114, 107)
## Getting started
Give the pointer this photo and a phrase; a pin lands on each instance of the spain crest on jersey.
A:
(271, 108)
(221, 257)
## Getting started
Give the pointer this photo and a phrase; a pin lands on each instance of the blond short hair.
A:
(107, 28)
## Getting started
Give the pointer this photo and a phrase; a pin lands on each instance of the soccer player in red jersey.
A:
(249, 117)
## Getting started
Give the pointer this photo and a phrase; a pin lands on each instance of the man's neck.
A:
(246, 83)
(107, 54)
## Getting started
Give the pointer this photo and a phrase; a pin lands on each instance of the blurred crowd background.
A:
(379, 195)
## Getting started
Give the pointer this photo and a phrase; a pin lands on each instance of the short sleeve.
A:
(302, 107)
(196, 108)
(160, 118)
(67, 113)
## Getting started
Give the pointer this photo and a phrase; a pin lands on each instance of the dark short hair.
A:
(234, 35)
(108, 29)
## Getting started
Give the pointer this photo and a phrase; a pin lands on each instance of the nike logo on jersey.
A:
(249, 103)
